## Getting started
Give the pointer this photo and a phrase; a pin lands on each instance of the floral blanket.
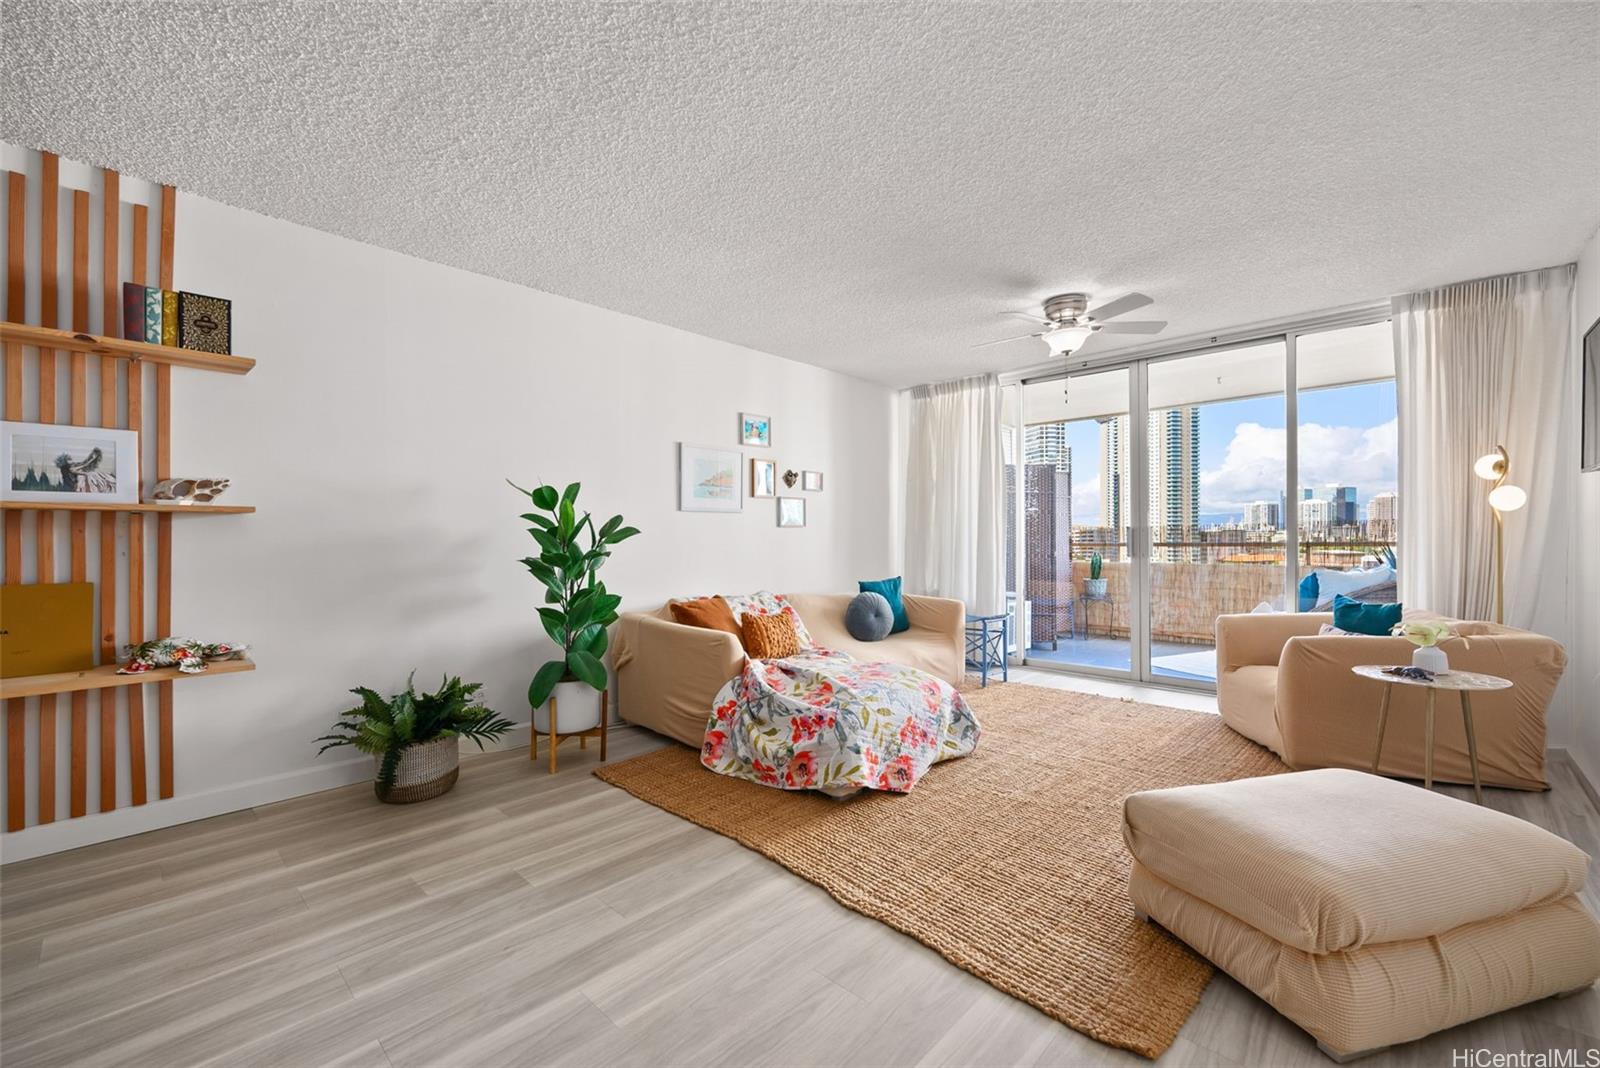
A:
(825, 721)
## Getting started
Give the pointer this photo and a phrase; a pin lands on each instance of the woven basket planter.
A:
(425, 771)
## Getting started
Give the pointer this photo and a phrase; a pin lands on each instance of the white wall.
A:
(1583, 669)
(391, 400)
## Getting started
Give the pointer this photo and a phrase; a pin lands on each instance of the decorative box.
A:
(205, 324)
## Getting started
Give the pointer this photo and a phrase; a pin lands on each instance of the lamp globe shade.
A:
(1489, 466)
(1507, 498)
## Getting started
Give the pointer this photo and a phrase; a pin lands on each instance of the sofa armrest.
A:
(669, 674)
(1258, 638)
(935, 613)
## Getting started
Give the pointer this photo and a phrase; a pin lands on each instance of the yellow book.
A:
(46, 628)
(169, 318)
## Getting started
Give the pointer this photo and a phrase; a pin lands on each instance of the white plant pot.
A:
(1095, 589)
(1431, 658)
(577, 709)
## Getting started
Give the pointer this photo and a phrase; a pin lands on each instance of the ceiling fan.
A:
(1069, 324)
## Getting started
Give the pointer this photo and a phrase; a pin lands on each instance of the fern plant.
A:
(384, 728)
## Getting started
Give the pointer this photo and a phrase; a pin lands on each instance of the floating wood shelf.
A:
(106, 677)
(142, 507)
(45, 338)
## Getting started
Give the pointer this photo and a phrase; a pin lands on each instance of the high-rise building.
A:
(1318, 516)
(1173, 447)
(1383, 516)
(1175, 481)
(1263, 515)
(1046, 443)
(1345, 513)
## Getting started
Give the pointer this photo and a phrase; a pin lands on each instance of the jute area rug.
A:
(1008, 862)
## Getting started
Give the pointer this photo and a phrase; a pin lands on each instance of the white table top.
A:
(1453, 680)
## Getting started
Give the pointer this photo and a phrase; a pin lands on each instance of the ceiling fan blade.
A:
(1120, 306)
(1032, 317)
(1135, 326)
(1003, 340)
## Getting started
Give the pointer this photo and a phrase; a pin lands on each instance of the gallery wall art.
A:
(755, 429)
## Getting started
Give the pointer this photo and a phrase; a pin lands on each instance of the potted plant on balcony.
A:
(413, 737)
(577, 607)
(1094, 587)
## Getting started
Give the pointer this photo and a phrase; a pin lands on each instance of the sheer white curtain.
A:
(1481, 364)
(954, 515)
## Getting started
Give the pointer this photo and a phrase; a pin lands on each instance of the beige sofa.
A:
(1285, 686)
(668, 673)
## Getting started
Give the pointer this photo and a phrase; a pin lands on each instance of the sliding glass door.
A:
(1076, 517)
(1217, 485)
(1148, 497)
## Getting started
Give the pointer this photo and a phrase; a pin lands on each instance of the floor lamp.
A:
(1503, 497)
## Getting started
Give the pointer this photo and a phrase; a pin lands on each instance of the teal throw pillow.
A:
(890, 589)
(1359, 617)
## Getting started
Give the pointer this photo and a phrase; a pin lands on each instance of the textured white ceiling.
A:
(862, 186)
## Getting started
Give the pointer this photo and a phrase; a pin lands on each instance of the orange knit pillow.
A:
(770, 637)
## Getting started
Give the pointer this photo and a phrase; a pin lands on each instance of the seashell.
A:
(190, 490)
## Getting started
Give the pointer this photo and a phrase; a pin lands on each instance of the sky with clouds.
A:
(1348, 436)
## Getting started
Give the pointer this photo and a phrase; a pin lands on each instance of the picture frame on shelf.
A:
(710, 479)
(791, 511)
(45, 463)
(755, 429)
(763, 478)
(811, 481)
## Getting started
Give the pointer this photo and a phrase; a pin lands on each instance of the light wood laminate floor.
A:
(535, 920)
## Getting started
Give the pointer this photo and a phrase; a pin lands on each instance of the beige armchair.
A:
(668, 674)
(1282, 684)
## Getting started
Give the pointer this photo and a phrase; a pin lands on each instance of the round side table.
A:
(1463, 682)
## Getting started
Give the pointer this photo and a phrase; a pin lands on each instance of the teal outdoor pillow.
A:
(890, 589)
(1359, 617)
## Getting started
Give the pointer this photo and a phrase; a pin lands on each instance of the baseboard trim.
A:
(62, 835)
(1565, 756)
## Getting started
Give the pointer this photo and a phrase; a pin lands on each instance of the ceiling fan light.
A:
(1067, 339)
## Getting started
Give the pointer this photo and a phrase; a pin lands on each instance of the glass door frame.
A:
(1137, 363)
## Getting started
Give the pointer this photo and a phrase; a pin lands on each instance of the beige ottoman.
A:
(1367, 911)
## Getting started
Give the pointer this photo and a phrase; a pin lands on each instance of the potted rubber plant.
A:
(1094, 587)
(412, 736)
(577, 606)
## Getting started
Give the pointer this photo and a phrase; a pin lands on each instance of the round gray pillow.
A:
(869, 617)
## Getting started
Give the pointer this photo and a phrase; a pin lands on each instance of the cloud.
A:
(1253, 465)
(1087, 508)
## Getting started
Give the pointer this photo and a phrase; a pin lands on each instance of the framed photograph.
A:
(755, 429)
(709, 480)
(763, 478)
(46, 462)
(811, 481)
(791, 511)
(1589, 459)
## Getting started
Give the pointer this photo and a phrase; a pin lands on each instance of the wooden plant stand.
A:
(557, 737)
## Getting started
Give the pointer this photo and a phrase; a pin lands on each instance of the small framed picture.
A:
(47, 462)
(755, 429)
(811, 481)
(763, 478)
(709, 480)
(791, 511)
